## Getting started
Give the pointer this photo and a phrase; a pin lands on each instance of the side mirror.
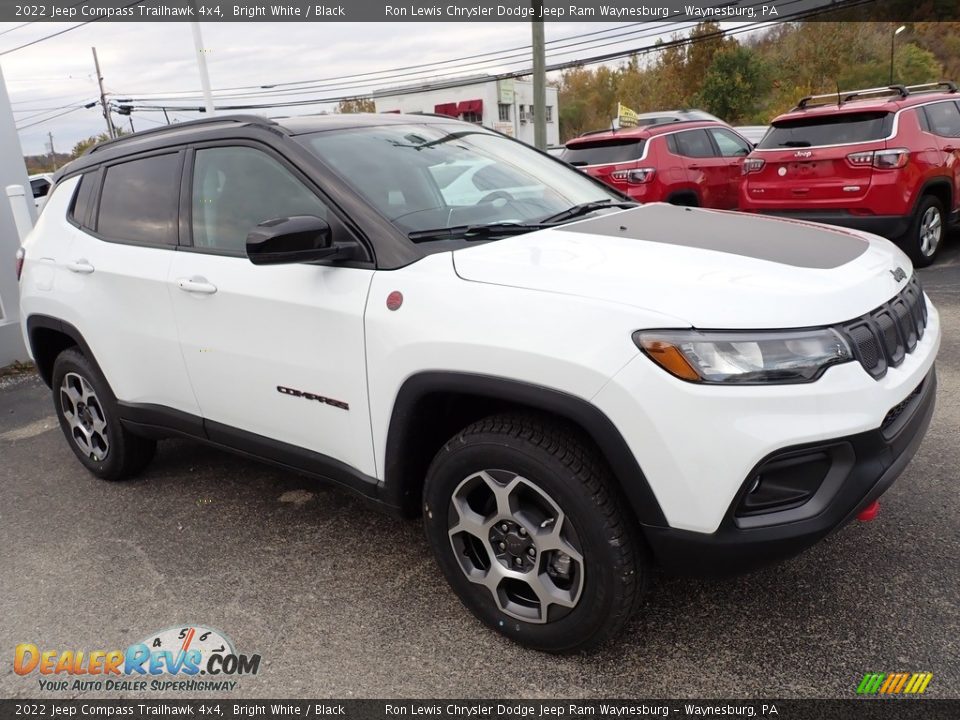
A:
(297, 239)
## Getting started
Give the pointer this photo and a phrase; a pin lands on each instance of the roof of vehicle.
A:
(643, 132)
(223, 126)
(889, 99)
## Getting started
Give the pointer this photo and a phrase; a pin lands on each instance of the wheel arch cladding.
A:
(941, 189)
(48, 338)
(433, 406)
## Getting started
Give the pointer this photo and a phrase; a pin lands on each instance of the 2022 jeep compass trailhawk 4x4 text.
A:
(566, 387)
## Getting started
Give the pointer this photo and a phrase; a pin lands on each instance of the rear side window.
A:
(943, 119)
(82, 197)
(603, 152)
(138, 202)
(840, 129)
(695, 144)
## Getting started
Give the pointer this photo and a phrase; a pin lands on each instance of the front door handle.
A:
(81, 266)
(196, 284)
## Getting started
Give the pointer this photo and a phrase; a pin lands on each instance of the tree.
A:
(82, 146)
(356, 105)
(735, 84)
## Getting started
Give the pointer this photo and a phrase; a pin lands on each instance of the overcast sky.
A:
(138, 59)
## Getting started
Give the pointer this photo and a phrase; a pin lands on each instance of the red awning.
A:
(470, 106)
(446, 109)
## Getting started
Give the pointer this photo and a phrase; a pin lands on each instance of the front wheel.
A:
(925, 236)
(530, 531)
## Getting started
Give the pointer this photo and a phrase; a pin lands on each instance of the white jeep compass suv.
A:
(567, 387)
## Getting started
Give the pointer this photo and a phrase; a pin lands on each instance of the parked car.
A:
(567, 388)
(753, 133)
(671, 116)
(886, 160)
(40, 185)
(694, 163)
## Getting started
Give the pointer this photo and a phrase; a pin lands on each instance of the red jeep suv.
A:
(683, 162)
(884, 160)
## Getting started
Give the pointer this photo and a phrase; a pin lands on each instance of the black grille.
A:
(881, 339)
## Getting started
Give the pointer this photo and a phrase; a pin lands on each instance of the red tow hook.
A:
(869, 512)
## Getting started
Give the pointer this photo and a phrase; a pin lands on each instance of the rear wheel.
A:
(529, 529)
(88, 415)
(927, 230)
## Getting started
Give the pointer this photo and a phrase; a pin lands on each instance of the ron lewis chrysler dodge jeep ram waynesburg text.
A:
(567, 387)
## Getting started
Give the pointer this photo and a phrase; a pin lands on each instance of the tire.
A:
(927, 232)
(89, 417)
(555, 495)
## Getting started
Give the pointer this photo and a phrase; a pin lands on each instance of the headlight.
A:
(745, 358)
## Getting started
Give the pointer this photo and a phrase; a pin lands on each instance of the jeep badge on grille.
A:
(898, 274)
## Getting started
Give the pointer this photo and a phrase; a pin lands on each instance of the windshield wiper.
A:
(587, 208)
(475, 232)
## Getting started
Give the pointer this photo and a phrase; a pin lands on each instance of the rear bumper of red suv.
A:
(888, 226)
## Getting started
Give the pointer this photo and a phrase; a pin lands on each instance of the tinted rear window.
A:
(82, 197)
(138, 202)
(603, 152)
(839, 129)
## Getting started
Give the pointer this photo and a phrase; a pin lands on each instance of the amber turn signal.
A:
(669, 357)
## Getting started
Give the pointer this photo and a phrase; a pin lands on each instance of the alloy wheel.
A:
(84, 414)
(511, 537)
(931, 230)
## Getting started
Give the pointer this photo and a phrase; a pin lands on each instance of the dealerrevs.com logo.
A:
(187, 658)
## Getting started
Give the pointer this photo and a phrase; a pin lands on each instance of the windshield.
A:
(440, 176)
(840, 129)
(603, 152)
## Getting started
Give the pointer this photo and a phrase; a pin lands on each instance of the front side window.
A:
(138, 201)
(439, 176)
(237, 188)
(730, 145)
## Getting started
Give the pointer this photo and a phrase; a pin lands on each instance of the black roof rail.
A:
(244, 119)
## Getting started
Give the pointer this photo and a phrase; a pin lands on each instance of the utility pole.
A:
(202, 66)
(103, 97)
(53, 153)
(539, 79)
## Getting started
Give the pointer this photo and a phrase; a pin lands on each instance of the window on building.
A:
(503, 110)
(523, 113)
(548, 113)
(472, 117)
(138, 203)
(530, 112)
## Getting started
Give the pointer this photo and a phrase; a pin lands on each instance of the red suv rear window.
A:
(839, 129)
(603, 152)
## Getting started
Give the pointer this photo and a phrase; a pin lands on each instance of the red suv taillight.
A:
(634, 177)
(751, 165)
(880, 159)
(21, 254)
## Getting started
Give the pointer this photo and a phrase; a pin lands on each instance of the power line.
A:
(680, 42)
(41, 122)
(467, 62)
(62, 32)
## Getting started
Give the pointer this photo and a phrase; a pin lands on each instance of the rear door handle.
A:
(198, 285)
(81, 266)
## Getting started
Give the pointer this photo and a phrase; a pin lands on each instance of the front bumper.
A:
(862, 467)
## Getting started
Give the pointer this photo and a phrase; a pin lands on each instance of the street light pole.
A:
(539, 79)
(893, 42)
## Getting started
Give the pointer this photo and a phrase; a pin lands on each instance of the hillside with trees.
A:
(751, 77)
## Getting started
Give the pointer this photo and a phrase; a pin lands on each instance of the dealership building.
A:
(503, 105)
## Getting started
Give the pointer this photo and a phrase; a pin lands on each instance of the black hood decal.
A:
(777, 240)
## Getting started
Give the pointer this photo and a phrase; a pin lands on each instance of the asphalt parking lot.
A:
(342, 601)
